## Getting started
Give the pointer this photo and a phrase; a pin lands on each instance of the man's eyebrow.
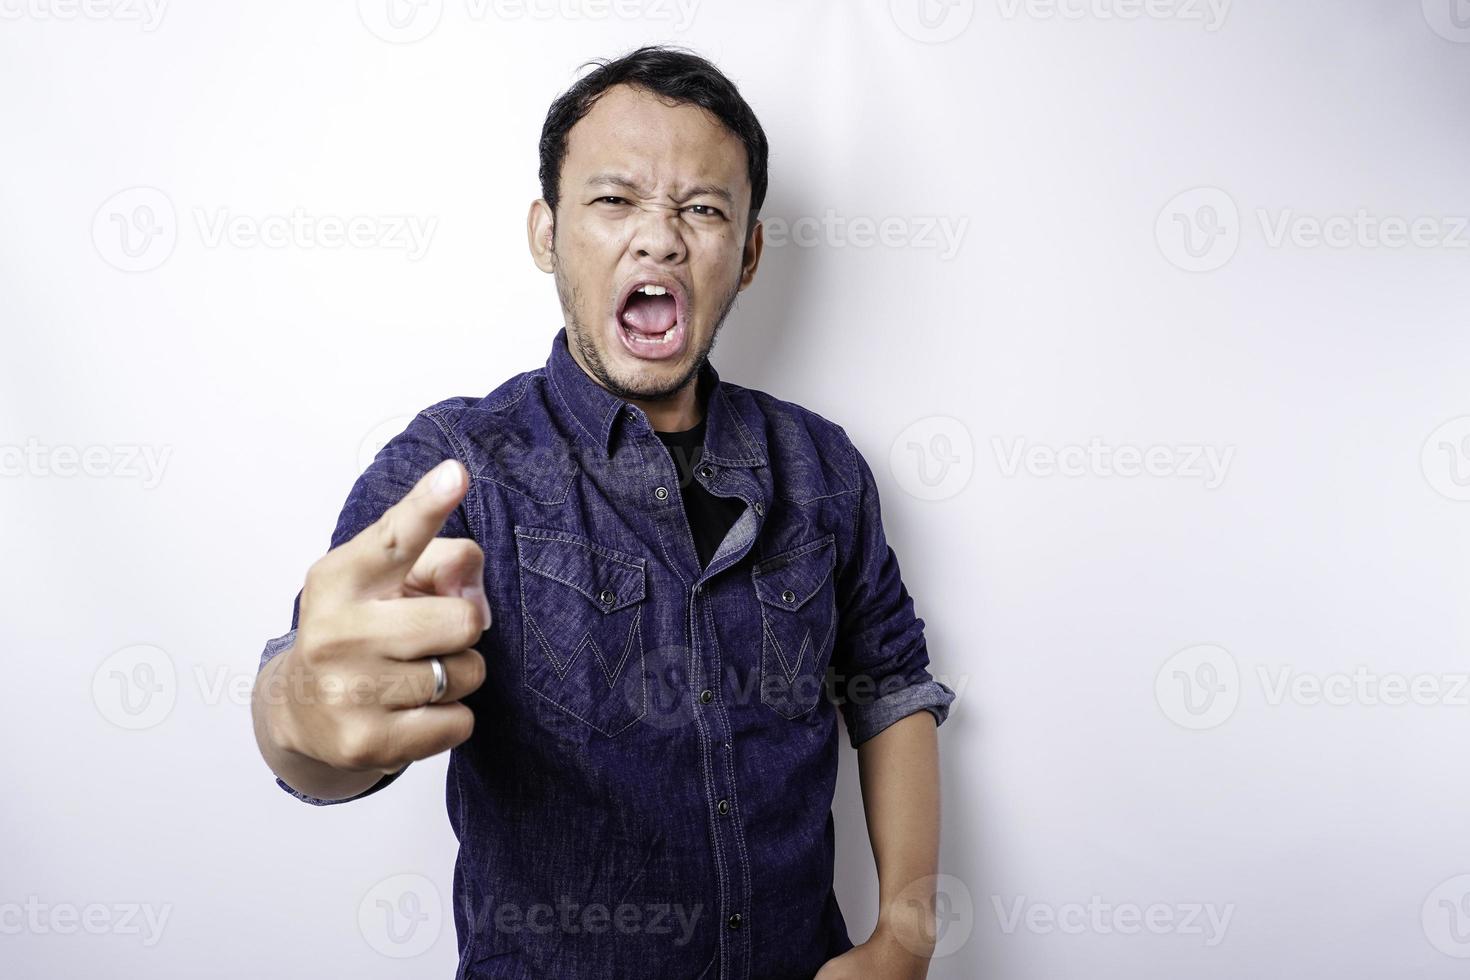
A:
(713, 190)
(629, 184)
(614, 180)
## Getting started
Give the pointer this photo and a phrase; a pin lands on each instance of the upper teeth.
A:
(649, 289)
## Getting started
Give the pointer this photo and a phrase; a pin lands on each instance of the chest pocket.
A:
(798, 620)
(582, 605)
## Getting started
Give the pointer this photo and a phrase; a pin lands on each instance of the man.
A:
(615, 587)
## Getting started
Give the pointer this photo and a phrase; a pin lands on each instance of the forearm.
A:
(301, 772)
(899, 770)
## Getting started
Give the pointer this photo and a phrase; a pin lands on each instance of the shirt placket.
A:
(712, 723)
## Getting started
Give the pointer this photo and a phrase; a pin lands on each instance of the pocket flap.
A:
(611, 580)
(789, 579)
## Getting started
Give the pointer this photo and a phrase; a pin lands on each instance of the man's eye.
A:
(706, 210)
(611, 200)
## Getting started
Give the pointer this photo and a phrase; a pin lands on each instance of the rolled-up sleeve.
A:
(880, 661)
(393, 472)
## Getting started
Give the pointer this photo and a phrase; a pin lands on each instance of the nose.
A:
(657, 236)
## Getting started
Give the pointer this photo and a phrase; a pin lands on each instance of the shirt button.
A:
(723, 807)
(606, 597)
(788, 596)
(734, 921)
(706, 696)
(662, 493)
(706, 472)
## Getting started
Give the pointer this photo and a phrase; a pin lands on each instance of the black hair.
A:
(677, 75)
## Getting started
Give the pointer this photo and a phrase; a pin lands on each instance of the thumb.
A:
(450, 567)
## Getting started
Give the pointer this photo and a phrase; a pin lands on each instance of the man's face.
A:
(650, 194)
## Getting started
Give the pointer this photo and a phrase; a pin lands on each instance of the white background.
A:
(1122, 738)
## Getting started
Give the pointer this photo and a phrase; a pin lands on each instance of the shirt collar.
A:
(595, 412)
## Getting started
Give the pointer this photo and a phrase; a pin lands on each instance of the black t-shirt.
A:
(710, 517)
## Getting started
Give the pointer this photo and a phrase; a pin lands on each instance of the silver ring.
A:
(440, 680)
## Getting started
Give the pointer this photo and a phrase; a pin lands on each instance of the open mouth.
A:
(650, 319)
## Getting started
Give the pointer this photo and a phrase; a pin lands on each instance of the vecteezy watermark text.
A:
(942, 234)
(1210, 13)
(120, 461)
(408, 233)
(1097, 917)
(94, 918)
(137, 230)
(1201, 686)
(147, 14)
(408, 21)
(1209, 464)
(1201, 229)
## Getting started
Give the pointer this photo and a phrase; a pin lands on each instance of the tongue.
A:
(649, 314)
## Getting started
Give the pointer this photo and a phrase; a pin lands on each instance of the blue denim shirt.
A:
(648, 789)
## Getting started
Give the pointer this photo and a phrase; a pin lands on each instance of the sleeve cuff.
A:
(274, 648)
(346, 799)
(866, 720)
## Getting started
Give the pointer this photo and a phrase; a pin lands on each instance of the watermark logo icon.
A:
(952, 923)
(1450, 19)
(1446, 917)
(401, 916)
(1445, 459)
(400, 21)
(1199, 230)
(379, 436)
(135, 230)
(136, 687)
(932, 21)
(666, 700)
(934, 458)
(1198, 687)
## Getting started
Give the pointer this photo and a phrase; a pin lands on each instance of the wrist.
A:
(909, 926)
(273, 693)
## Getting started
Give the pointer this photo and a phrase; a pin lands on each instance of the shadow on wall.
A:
(775, 334)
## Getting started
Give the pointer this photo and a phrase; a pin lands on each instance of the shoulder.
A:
(466, 420)
(457, 416)
(508, 436)
(811, 452)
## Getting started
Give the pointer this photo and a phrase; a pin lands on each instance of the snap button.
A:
(706, 472)
(723, 807)
(734, 921)
(760, 509)
(788, 596)
(706, 696)
(606, 597)
(662, 493)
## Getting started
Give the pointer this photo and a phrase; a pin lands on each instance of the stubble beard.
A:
(580, 335)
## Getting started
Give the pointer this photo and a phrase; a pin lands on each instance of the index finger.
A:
(382, 553)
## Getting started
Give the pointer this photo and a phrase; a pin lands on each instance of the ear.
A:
(752, 257)
(540, 224)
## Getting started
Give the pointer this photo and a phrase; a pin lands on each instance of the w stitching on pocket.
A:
(577, 594)
(609, 671)
(795, 593)
(789, 668)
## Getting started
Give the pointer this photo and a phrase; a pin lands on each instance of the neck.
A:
(675, 414)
